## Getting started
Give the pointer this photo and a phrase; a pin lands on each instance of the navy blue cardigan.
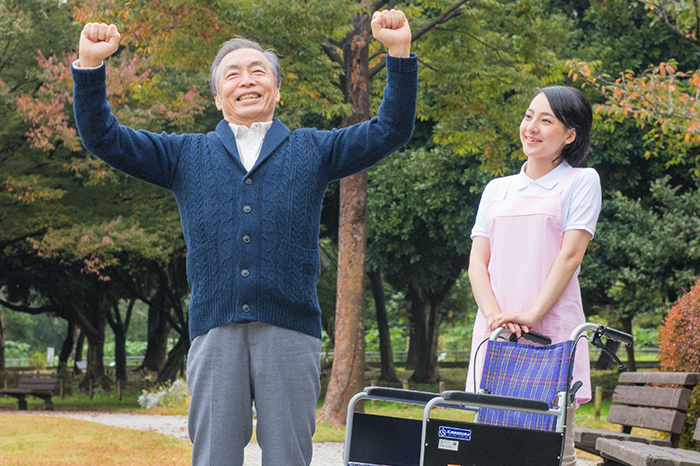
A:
(252, 237)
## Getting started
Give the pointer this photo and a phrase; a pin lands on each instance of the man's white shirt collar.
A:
(254, 128)
(249, 141)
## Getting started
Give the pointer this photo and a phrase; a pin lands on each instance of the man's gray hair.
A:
(235, 44)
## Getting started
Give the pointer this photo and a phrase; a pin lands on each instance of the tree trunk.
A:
(626, 323)
(347, 375)
(175, 365)
(3, 365)
(120, 353)
(95, 372)
(66, 348)
(388, 372)
(97, 320)
(158, 331)
(427, 364)
(416, 317)
(79, 350)
(120, 327)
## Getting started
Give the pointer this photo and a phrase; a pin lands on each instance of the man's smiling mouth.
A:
(249, 96)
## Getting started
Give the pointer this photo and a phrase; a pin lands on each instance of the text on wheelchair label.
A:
(452, 445)
(454, 433)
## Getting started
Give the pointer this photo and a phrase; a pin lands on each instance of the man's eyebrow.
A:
(237, 66)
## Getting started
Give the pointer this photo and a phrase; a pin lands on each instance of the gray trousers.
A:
(231, 366)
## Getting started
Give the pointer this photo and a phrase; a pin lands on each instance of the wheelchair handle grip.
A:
(533, 337)
(622, 337)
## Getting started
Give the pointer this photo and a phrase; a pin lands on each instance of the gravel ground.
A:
(325, 453)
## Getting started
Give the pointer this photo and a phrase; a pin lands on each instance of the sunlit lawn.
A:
(27, 440)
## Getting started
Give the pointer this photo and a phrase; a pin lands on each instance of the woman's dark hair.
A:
(574, 110)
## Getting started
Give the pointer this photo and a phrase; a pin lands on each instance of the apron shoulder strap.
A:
(503, 185)
(566, 180)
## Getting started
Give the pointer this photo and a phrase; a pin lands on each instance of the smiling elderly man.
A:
(250, 197)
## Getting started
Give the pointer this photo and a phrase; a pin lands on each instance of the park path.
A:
(325, 453)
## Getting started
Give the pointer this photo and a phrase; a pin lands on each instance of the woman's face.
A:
(542, 135)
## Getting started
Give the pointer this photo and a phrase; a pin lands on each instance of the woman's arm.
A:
(573, 248)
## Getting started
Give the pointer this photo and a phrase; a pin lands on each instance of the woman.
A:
(531, 233)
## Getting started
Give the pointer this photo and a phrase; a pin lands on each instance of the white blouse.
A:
(580, 200)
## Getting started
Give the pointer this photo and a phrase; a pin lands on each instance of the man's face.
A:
(247, 90)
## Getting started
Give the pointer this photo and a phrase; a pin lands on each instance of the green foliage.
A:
(645, 337)
(397, 335)
(14, 349)
(420, 215)
(37, 360)
(645, 254)
(481, 72)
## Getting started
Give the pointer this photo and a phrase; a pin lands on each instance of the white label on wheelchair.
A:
(448, 445)
(453, 432)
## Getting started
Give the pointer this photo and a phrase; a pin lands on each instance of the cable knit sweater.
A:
(252, 237)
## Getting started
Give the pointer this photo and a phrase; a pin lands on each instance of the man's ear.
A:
(278, 96)
(217, 99)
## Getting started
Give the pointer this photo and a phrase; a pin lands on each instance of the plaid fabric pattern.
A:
(524, 371)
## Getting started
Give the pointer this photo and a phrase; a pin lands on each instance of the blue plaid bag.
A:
(525, 371)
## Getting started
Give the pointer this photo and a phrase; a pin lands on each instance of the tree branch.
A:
(10, 242)
(376, 6)
(661, 14)
(330, 52)
(30, 310)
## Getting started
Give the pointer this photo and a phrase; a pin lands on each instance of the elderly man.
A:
(250, 197)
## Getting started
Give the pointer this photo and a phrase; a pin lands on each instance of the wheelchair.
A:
(519, 411)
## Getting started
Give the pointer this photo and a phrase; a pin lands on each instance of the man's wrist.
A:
(87, 63)
(400, 51)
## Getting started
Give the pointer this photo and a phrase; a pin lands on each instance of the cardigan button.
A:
(248, 181)
(247, 209)
(245, 273)
(246, 239)
(246, 308)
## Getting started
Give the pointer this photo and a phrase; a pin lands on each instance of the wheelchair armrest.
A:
(497, 401)
(399, 395)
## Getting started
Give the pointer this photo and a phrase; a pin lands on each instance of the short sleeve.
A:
(486, 198)
(581, 202)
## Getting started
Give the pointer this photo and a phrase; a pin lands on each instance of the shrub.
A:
(679, 339)
(170, 396)
(38, 360)
(679, 351)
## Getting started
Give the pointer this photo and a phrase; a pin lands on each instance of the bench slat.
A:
(585, 439)
(637, 454)
(696, 434)
(48, 385)
(674, 378)
(657, 419)
(657, 397)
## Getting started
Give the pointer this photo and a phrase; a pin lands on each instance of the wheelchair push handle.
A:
(622, 337)
(533, 337)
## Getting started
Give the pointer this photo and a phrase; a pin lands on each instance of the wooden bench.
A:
(642, 402)
(37, 385)
(621, 452)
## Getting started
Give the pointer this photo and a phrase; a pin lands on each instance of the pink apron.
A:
(525, 237)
